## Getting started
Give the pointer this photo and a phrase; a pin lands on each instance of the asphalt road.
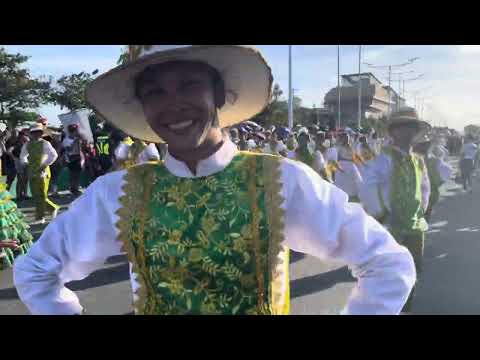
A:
(447, 285)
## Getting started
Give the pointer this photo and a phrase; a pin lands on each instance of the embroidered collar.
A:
(206, 167)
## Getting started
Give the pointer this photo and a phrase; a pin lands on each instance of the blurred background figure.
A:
(73, 145)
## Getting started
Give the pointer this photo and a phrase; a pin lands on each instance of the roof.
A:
(362, 74)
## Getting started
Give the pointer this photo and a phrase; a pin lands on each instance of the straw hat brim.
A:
(246, 75)
(404, 120)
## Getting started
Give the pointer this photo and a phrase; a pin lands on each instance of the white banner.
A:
(79, 117)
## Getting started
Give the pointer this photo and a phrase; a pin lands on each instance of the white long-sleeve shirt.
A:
(319, 221)
(378, 173)
(48, 158)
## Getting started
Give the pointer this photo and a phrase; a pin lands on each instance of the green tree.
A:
(276, 112)
(19, 92)
(472, 130)
(19, 117)
(131, 53)
(69, 91)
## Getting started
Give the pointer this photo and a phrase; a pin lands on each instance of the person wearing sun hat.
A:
(304, 154)
(396, 186)
(348, 177)
(438, 170)
(38, 155)
(208, 230)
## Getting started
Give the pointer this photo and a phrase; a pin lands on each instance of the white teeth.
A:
(181, 125)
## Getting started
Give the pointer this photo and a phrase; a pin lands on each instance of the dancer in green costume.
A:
(39, 155)
(208, 230)
(396, 187)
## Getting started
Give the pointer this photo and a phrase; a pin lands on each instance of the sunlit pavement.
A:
(448, 284)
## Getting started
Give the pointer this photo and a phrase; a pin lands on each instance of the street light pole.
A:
(389, 87)
(338, 86)
(290, 91)
(389, 67)
(359, 86)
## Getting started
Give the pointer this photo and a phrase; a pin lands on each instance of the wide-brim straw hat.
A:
(37, 127)
(246, 75)
(408, 115)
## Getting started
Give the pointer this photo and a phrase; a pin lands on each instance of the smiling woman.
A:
(180, 102)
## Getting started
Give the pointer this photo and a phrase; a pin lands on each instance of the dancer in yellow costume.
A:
(208, 230)
(39, 154)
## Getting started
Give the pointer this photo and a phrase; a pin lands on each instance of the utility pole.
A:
(359, 124)
(338, 87)
(389, 68)
(290, 91)
(389, 91)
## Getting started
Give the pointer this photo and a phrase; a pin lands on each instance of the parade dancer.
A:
(304, 154)
(348, 177)
(139, 152)
(39, 154)
(322, 166)
(275, 146)
(467, 160)
(396, 187)
(73, 146)
(15, 238)
(208, 230)
(438, 171)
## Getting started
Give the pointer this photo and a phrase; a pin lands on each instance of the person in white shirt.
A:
(73, 147)
(438, 170)
(139, 152)
(208, 230)
(348, 177)
(396, 186)
(468, 156)
(275, 146)
(38, 155)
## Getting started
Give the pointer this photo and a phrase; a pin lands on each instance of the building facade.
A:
(377, 100)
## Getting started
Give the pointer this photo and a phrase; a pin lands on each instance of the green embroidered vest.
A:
(35, 157)
(406, 194)
(208, 245)
(304, 155)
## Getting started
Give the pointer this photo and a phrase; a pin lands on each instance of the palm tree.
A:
(131, 53)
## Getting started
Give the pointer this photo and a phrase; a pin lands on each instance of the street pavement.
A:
(447, 285)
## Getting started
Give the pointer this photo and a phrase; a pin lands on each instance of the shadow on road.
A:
(102, 277)
(295, 256)
(312, 284)
(8, 294)
(99, 278)
(449, 282)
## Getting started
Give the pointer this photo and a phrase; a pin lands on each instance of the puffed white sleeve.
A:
(152, 153)
(51, 153)
(24, 155)
(319, 163)
(444, 169)
(375, 173)
(425, 188)
(74, 245)
(321, 222)
(121, 152)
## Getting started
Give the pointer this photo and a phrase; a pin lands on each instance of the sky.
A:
(446, 94)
